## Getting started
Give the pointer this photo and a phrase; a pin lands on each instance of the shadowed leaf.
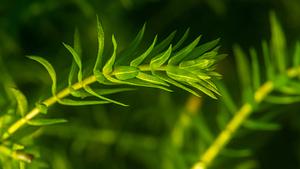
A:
(21, 101)
(49, 68)
(45, 122)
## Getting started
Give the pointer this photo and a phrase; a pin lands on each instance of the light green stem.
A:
(52, 100)
(240, 116)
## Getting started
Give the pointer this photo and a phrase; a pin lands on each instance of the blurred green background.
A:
(142, 136)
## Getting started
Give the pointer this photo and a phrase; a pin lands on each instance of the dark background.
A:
(138, 136)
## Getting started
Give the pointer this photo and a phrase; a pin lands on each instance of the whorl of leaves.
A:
(191, 67)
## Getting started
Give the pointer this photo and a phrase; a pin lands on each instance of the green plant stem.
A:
(48, 102)
(52, 100)
(240, 116)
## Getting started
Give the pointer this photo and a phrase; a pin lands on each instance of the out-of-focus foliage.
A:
(158, 129)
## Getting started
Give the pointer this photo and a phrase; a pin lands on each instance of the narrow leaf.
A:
(237, 153)
(200, 63)
(77, 60)
(209, 85)
(278, 43)
(72, 74)
(113, 91)
(21, 101)
(45, 122)
(227, 99)
(268, 63)
(182, 39)
(201, 49)
(175, 83)
(151, 79)
(125, 72)
(137, 61)
(163, 44)
(259, 125)
(255, 69)
(181, 74)
(71, 102)
(125, 56)
(108, 67)
(77, 44)
(49, 68)
(296, 58)
(283, 99)
(203, 89)
(94, 93)
(136, 82)
(99, 59)
(78, 50)
(159, 60)
(184, 52)
(243, 72)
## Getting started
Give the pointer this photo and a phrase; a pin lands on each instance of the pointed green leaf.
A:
(210, 85)
(99, 59)
(181, 74)
(113, 91)
(175, 83)
(160, 47)
(78, 50)
(94, 93)
(137, 61)
(184, 52)
(203, 89)
(45, 122)
(72, 74)
(255, 69)
(268, 62)
(49, 68)
(71, 102)
(159, 60)
(182, 39)
(126, 55)
(214, 74)
(236, 153)
(243, 72)
(283, 99)
(197, 63)
(125, 72)
(77, 44)
(136, 82)
(296, 58)
(21, 101)
(260, 125)
(77, 60)
(201, 74)
(201, 49)
(108, 67)
(227, 99)
(151, 79)
(278, 43)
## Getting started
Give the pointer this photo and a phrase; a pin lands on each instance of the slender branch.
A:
(52, 100)
(48, 102)
(240, 116)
